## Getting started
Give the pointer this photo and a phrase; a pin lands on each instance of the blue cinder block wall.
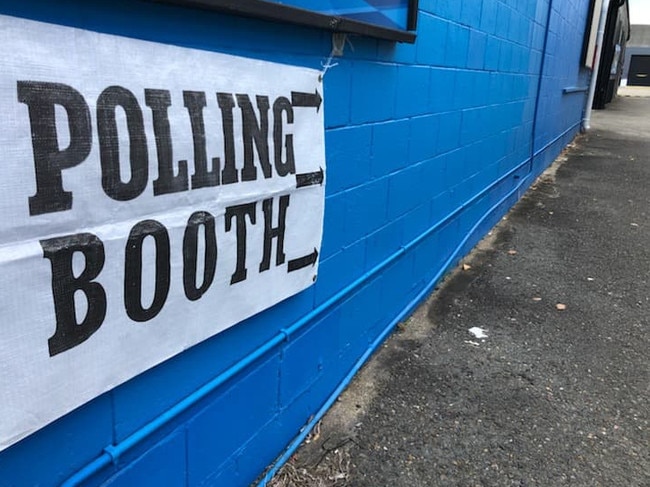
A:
(427, 144)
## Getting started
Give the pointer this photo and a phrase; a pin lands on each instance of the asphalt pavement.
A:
(557, 391)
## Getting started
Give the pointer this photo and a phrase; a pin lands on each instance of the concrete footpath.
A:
(558, 391)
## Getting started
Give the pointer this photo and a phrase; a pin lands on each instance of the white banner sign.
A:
(153, 196)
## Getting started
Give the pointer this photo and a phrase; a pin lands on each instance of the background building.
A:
(636, 68)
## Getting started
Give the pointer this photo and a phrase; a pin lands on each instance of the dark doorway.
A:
(639, 74)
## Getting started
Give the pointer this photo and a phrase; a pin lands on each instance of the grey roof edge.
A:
(640, 35)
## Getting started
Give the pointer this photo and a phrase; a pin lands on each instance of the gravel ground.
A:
(558, 392)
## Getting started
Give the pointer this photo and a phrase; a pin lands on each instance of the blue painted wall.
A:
(428, 145)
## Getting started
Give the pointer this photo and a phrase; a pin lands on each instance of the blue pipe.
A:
(575, 89)
(112, 453)
(538, 95)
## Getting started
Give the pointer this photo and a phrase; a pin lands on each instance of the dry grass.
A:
(331, 473)
(330, 467)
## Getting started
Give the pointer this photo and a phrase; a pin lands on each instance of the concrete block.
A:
(442, 89)
(457, 46)
(449, 131)
(424, 138)
(405, 192)
(412, 91)
(348, 152)
(431, 46)
(306, 356)
(470, 14)
(383, 243)
(162, 464)
(489, 16)
(339, 270)
(333, 227)
(476, 53)
(390, 145)
(79, 438)
(374, 89)
(231, 418)
(357, 314)
(366, 209)
(337, 85)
